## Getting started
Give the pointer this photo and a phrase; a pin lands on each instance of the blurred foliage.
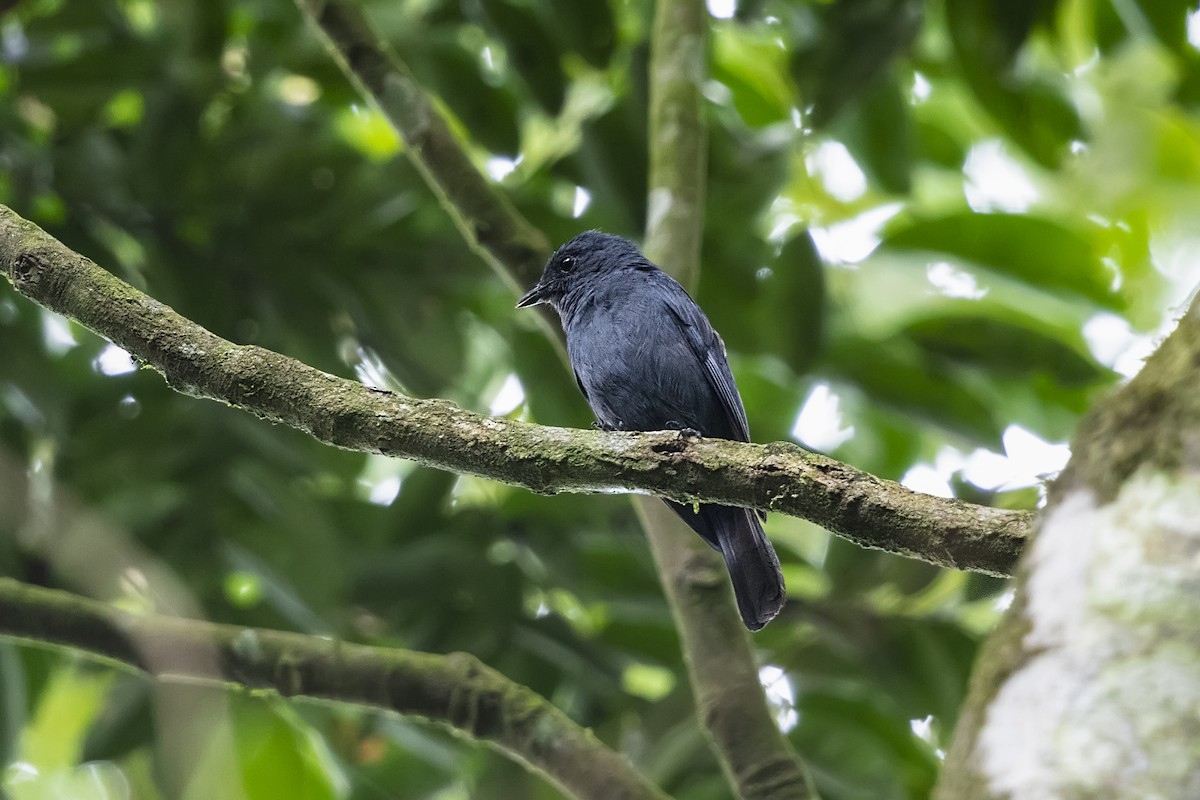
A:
(951, 219)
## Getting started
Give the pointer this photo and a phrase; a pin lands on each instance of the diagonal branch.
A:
(780, 476)
(757, 758)
(455, 690)
(515, 250)
(512, 247)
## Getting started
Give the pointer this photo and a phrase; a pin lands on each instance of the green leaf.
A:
(1035, 250)
(1015, 345)
(47, 765)
(369, 132)
(899, 379)
(648, 681)
(844, 48)
(68, 706)
(792, 298)
(281, 755)
(530, 46)
(987, 36)
(752, 64)
(264, 750)
(877, 129)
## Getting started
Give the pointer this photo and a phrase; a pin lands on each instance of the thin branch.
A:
(758, 760)
(779, 477)
(455, 690)
(750, 747)
(678, 138)
(514, 248)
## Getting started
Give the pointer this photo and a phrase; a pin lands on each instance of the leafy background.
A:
(935, 232)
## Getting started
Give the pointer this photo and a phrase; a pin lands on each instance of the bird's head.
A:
(580, 261)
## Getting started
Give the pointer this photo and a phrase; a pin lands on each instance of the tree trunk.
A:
(1090, 686)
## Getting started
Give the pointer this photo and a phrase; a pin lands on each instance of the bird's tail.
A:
(753, 566)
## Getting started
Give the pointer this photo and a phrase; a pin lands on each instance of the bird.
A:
(646, 358)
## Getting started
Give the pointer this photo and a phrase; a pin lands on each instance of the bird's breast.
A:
(636, 368)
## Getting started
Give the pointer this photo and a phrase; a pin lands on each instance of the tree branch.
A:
(757, 758)
(678, 138)
(514, 249)
(779, 477)
(455, 690)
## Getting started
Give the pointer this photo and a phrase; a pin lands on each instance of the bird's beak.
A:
(534, 296)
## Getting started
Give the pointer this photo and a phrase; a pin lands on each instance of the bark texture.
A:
(1090, 687)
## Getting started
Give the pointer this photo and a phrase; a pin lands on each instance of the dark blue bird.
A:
(647, 359)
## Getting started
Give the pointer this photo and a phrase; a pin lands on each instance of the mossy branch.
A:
(514, 248)
(779, 477)
(455, 690)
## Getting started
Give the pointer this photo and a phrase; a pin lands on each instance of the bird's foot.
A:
(684, 431)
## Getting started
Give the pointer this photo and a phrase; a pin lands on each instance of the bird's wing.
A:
(582, 390)
(706, 344)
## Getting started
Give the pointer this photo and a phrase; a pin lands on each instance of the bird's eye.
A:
(566, 263)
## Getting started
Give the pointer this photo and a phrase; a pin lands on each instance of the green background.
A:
(213, 155)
